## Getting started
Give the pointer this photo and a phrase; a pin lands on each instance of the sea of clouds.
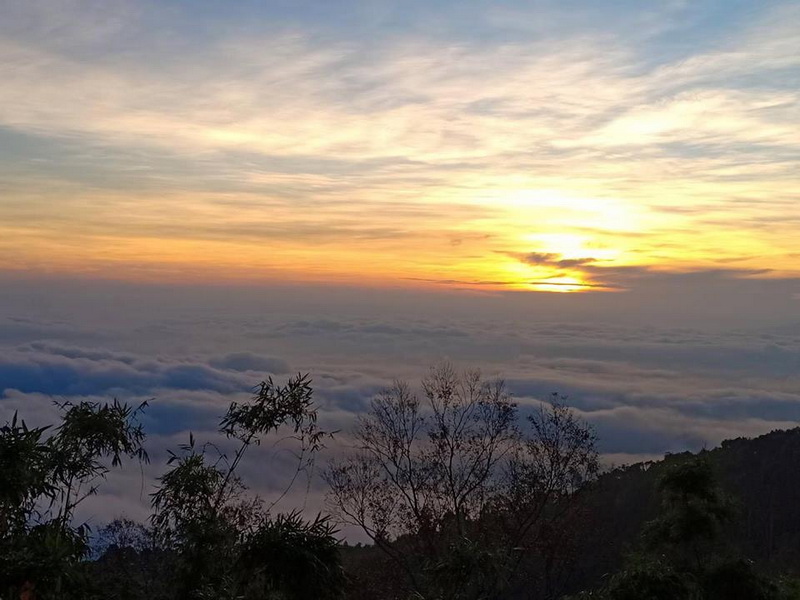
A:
(649, 381)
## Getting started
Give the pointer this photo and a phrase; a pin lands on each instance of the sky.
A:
(594, 198)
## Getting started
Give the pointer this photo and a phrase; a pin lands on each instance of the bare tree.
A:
(539, 503)
(452, 489)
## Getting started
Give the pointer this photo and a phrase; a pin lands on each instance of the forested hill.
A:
(762, 477)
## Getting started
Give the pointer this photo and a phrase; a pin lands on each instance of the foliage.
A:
(683, 554)
(130, 564)
(46, 474)
(207, 539)
(225, 543)
(644, 577)
(693, 514)
(300, 558)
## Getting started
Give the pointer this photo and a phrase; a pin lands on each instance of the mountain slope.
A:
(761, 475)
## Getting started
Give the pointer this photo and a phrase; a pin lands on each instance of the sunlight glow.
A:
(280, 155)
(561, 284)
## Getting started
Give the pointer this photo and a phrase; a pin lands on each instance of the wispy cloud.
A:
(394, 144)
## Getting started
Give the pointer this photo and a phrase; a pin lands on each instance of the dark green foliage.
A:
(468, 569)
(371, 574)
(130, 565)
(300, 558)
(759, 474)
(649, 579)
(738, 580)
(693, 512)
(90, 431)
(208, 538)
(26, 472)
(652, 578)
(225, 544)
(45, 477)
(683, 555)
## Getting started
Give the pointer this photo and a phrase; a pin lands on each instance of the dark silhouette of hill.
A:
(761, 477)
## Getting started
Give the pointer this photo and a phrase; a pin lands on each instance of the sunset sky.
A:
(522, 145)
(196, 194)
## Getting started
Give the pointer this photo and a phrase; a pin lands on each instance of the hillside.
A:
(761, 475)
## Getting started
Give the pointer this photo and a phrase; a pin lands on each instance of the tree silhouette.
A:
(224, 542)
(456, 493)
(46, 473)
(683, 554)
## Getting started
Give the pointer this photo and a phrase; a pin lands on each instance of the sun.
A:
(564, 284)
(559, 258)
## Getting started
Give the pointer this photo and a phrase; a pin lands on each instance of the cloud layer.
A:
(647, 389)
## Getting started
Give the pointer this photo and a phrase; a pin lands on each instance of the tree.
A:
(694, 511)
(45, 475)
(224, 542)
(456, 492)
(129, 564)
